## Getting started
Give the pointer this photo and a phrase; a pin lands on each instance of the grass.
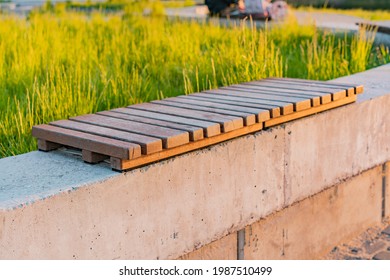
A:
(58, 64)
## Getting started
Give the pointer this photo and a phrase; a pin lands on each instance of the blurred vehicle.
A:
(256, 9)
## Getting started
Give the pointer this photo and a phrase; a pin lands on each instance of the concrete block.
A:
(222, 249)
(312, 227)
(325, 149)
(157, 212)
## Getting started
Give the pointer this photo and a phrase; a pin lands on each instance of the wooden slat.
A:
(219, 99)
(47, 146)
(124, 165)
(248, 118)
(196, 133)
(310, 111)
(324, 97)
(144, 133)
(170, 137)
(261, 114)
(357, 89)
(209, 128)
(85, 141)
(148, 144)
(227, 123)
(323, 86)
(337, 94)
(285, 107)
(300, 103)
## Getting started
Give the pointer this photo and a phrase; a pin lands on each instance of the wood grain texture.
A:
(209, 128)
(170, 137)
(124, 164)
(310, 111)
(196, 133)
(335, 93)
(299, 103)
(284, 107)
(85, 141)
(261, 114)
(144, 133)
(148, 144)
(227, 123)
(217, 100)
(248, 118)
(355, 89)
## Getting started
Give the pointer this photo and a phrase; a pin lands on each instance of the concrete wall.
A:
(174, 207)
(308, 229)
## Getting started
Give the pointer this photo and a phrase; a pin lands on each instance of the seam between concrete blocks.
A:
(240, 244)
(384, 210)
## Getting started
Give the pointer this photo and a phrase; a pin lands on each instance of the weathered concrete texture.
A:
(222, 249)
(312, 227)
(324, 149)
(376, 82)
(160, 211)
(30, 177)
(342, 142)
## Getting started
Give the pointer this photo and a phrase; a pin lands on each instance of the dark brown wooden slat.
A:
(220, 99)
(148, 144)
(261, 114)
(170, 137)
(275, 110)
(317, 98)
(314, 97)
(47, 146)
(356, 89)
(336, 94)
(196, 133)
(300, 103)
(227, 123)
(324, 97)
(248, 118)
(285, 107)
(210, 129)
(85, 141)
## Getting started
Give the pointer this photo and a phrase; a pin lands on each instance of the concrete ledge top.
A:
(376, 82)
(37, 175)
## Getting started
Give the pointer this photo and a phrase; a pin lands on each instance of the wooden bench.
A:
(143, 133)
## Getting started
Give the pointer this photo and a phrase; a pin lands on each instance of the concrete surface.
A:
(222, 249)
(310, 228)
(341, 143)
(159, 211)
(372, 244)
(320, 226)
(31, 177)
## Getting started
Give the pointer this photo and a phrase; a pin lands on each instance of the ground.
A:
(374, 243)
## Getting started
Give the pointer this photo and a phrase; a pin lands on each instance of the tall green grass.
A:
(57, 65)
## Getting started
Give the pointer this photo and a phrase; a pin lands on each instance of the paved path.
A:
(373, 244)
(322, 20)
